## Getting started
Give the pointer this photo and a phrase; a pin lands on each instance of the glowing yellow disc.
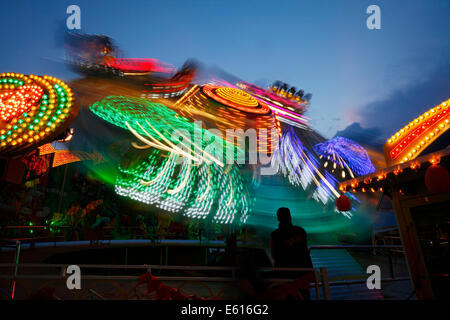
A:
(237, 96)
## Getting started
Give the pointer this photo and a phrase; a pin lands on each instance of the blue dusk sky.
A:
(380, 79)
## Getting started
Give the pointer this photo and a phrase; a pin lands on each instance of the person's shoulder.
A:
(299, 229)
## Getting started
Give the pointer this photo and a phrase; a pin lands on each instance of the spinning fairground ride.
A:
(220, 151)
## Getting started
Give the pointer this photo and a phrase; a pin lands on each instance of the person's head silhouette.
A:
(284, 216)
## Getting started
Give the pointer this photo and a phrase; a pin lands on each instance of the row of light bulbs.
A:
(417, 121)
(49, 92)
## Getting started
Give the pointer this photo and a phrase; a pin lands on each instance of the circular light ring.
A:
(237, 99)
(237, 96)
(33, 111)
(150, 119)
(17, 101)
(120, 110)
(198, 106)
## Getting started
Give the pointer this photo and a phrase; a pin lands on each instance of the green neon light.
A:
(148, 118)
(197, 191)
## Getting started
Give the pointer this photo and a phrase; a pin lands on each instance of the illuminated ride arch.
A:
(415, 137)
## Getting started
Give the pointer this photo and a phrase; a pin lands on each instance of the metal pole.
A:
(325, 284)
(316, 284)
(16, 269)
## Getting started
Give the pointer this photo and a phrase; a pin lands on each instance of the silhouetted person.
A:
(289, 247)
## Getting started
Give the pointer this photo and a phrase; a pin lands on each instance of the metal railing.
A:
(35, 233)
(320, 278)
(324, 282)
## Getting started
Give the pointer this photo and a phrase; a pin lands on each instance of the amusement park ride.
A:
(162, 109)
(152, 100)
